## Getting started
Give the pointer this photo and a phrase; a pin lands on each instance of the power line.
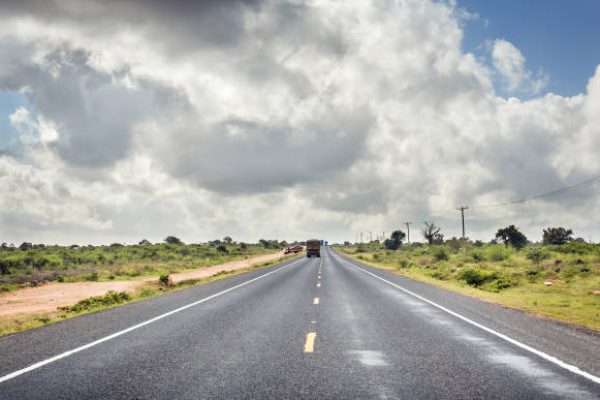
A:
(566, 189)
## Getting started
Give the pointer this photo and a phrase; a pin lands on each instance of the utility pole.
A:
(361, 240)
(408, 230)
(370, 236)
(462, 216)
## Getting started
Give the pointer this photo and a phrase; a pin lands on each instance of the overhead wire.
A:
(555, 192)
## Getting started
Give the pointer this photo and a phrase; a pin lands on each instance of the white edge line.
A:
(132, 328)
(523, 346)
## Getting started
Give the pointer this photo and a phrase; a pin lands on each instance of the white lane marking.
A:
(134, 327)
(318, 284)
(523, 346)
(316, 300)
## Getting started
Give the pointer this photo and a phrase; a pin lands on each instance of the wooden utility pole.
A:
(462, 216)
(408, 231)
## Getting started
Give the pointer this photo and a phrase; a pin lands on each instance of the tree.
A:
(25, 246)
(173, 240)
(144, 242)
(511, 236)
(395, 240)
(558, 235)
(227, 240)
(432, 233)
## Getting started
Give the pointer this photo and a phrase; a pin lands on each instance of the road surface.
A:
(327, 328)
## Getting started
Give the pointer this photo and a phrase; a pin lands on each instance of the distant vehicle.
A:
(293, 250)
(313, 248)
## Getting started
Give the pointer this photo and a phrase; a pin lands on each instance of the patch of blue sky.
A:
(559, 37)
(9, 102)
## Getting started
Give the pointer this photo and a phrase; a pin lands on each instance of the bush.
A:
(439, 275)
(504, 283)
(576, 248)
(109, 299)
(476, 277)
(537, 255)
(478, 256)
(498, 253)
(440, 254)
(93, 277)
(164, 280)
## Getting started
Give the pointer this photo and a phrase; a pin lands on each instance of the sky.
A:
(130, 120)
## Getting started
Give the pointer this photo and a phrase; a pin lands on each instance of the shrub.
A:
(575, 248)
(478, 256)
(504, 283)
(109, 299)
(440, 275)
(440, 254)
(93, 277)
(476, 277)
(537, 255)
(498, 253)
(164, 280)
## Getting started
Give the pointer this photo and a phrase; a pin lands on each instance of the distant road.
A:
(327, 328)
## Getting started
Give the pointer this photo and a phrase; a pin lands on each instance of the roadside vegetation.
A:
(111, 299)
(36, 264)
(557, 278)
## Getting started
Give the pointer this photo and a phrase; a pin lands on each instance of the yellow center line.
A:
(309, 345)
(316, 301)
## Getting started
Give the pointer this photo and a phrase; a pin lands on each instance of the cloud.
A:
(510, 63)
(277, 119)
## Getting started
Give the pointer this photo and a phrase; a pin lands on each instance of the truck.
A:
(313, 248)
(293, 250)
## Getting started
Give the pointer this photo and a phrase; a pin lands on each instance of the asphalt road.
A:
(327, 328)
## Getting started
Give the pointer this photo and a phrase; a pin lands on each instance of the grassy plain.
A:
(115, 262)
(37, 264)
(559, 282)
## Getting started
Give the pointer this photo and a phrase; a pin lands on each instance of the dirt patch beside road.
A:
(49, 297)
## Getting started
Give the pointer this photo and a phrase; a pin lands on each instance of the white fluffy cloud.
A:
(510, 62)
(277, 119)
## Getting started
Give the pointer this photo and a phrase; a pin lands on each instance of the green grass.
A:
(114, 299)
(36, 264)
(505, 276)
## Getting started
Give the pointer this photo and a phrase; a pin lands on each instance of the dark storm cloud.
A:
(94, 115)
(176, 25)
(240, 156)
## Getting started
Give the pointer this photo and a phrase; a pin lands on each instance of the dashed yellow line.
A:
(309, 345)
(316, 300)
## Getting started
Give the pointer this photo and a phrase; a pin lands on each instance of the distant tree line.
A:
(28, 257)
(509, 236)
